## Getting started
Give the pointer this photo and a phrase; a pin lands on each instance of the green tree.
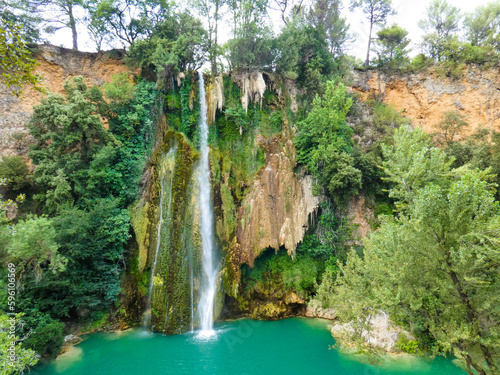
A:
(68, 132)
(324, 143)
(94, 242)
(390, 46)
(450, 128)
(326, 14)
(482, 27)
(175, 44)
(56, 15)
(44, 334)
(17, 66)
(302, 47)
(376, 12)
(251, 45)
(16, 171)
(33, 248)
(435, 266)
(23, 358)
(127, 21)
(440, 26)
(211, 10)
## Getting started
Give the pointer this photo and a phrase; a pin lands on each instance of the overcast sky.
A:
(409, 12)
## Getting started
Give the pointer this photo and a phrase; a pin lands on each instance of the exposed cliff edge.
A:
(425, 96)
(56, 64)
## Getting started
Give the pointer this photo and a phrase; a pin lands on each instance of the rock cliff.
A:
(425, 97)
(277, 209)
(56, 64)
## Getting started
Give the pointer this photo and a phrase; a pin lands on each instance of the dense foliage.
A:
(434, 266)
(16, 64)
(68, 260)
(324, 143)
(432, 263)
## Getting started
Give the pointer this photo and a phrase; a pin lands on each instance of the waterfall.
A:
(208, 285)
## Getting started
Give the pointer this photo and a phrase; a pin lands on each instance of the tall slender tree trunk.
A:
(72, 25)
(214, 48)
(367, 62)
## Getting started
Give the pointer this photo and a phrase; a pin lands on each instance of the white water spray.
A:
(209, 267)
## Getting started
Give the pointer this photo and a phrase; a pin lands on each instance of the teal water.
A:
(290, 346)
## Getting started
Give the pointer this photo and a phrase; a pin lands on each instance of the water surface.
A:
(290, 346)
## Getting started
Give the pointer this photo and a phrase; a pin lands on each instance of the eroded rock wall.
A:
(425, 97)
(277, 209)
(56, 64)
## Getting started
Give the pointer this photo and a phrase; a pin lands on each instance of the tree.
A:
(25, 16)
(251, 45)
(128, 21)
(17, 66)
(212, 12)
(32, 247)
(435, 266)
(68, 133)
(94, 241)
(300, 46)
(175, 44)
(287, 8)
(54, 14)
(441, 26)
(22, 359)
(450, 128)
(326, 14)
(482, 27)
(376, 12)
(324, 143)
(391, 46)
(16, 171)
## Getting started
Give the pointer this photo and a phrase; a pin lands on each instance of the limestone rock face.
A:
(424, 97)
(56, 64)
(214, 97)
(359, 214)
(252, 87)
(383, 333)
(314, 310)
(72, 339)
(276, 210)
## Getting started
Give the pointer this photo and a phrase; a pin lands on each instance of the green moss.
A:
(171, 297)
(140, 224)
(275, 274)
(173, 101)
(229, 210)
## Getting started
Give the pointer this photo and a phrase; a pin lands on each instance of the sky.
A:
(409, 12)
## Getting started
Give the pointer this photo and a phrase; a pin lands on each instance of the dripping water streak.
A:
(172, 84)
(209, 269)
(147, 320)
(191, 285)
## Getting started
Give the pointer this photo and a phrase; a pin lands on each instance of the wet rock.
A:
(315, 310)
(383, 333)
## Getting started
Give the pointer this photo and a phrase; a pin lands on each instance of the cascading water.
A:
(208, 285)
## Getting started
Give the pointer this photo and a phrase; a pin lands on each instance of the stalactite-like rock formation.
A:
(252, 87)
(277, 209)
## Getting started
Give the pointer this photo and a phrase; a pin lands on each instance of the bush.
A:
(301, 276)
(404, 344)
(421, 62)
(47, 334)
(16, 171)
